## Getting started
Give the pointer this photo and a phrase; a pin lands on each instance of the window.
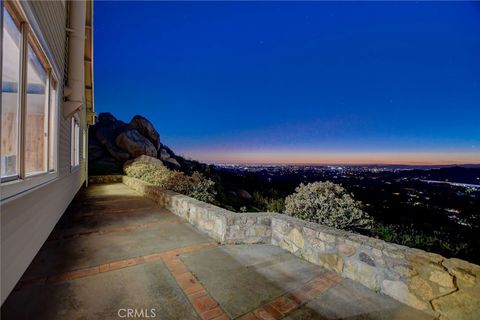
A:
(36, 116)
(29, 104)
(75, 143)
(52, 120)
(10, 97)
(85, 146)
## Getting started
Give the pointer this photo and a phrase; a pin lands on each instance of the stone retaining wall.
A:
(448, 288)
(222, 225)
(443, 287)
(105, 179)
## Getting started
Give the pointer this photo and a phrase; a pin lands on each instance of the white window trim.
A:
(12, 187)
(75, 156)
(56, 127)
(84, 143)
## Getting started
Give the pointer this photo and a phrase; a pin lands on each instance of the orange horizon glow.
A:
(338, 158)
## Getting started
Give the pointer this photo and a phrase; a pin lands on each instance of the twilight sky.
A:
(311, 82)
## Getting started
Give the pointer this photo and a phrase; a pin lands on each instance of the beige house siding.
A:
(26, 222)
(51, 17)
(28, 218)
(52, 20)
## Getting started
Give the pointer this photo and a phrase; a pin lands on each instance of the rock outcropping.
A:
(113, 142)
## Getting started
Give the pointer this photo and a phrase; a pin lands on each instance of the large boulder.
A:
(114, 126)
(135, 144)
(117, 153)
(106, 137)
(146, 129)
(95, 149)
(96, 152)
(106, 131)
(244, 194)
(167, 156)
(142, 158)
(106, 118)
(173, 162)
(113, 142)
(104, 165)
(163, 154)
(168, 150)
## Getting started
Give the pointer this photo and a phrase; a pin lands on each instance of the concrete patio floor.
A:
(116, 254)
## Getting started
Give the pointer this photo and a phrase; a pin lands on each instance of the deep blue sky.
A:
(281, 82)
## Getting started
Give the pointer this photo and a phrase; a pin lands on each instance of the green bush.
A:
(269, 204)
(327, 203)
(195, 186)
(152, 173)
(201, 188)
(440, 241)
(275, 205)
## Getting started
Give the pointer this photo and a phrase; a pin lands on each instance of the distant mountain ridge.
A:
(468, 175)
(387, 166)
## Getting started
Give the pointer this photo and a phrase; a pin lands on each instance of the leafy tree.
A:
(327, 203)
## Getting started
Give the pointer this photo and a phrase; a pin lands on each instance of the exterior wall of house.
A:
(28, 217)
(52, 19)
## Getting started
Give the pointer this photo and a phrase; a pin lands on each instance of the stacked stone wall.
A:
(105, 179)
(222, 225)
(449, 288)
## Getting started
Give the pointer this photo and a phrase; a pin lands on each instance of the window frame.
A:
(20, 183)
(24, 110)
(18, 24)
(53, 123)
(75, 143)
